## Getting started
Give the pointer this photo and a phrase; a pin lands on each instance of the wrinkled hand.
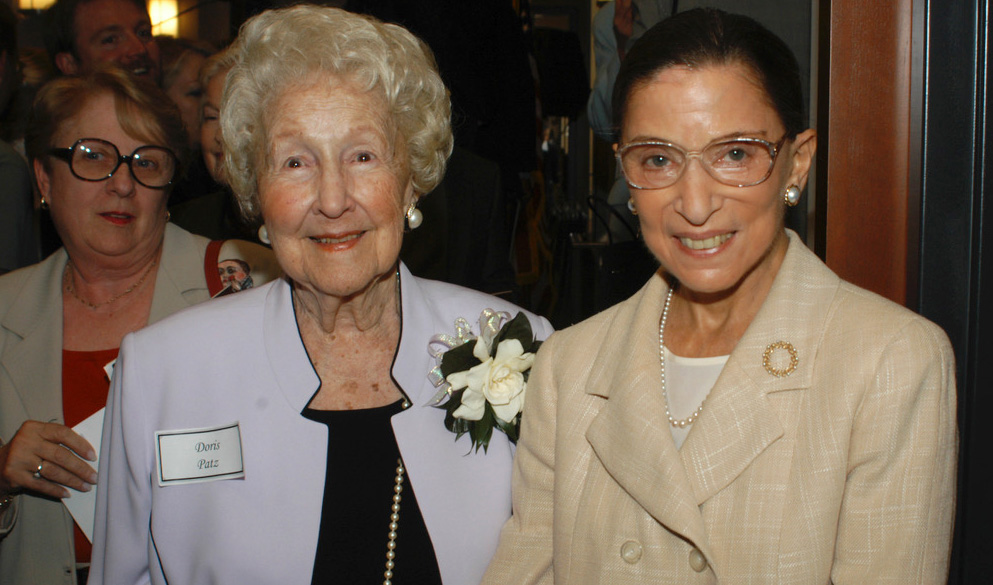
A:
(47, 443)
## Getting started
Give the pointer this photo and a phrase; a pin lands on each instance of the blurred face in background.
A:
(186, 92)
(113, 31)
(210, 128)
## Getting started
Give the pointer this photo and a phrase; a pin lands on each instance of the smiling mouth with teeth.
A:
(706, 243)
(139, 67)
(336, 240)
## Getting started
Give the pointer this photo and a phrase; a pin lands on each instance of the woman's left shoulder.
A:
(448, 302)
(861, 316)
(239, 264)
(874, 316)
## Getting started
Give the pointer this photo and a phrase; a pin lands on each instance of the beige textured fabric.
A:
(842, 472)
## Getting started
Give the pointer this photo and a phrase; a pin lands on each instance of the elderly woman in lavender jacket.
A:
(284, 435)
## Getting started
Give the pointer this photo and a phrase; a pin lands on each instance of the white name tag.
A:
(197, 455)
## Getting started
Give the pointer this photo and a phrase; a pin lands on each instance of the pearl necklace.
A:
(679, 423)
(391, 543)
(129, 290)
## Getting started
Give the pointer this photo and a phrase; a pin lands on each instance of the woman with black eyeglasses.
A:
(747, 416)
(106, 149)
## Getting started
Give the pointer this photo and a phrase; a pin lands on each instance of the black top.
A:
(358, 496)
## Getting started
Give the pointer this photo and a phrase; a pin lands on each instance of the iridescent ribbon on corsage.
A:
(490, 322)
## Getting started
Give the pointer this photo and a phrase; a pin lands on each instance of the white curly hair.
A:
(277, 49)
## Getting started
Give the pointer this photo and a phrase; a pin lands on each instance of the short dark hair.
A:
(60, 29)
(707, 36)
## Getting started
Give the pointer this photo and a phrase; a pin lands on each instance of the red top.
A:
(85, 386)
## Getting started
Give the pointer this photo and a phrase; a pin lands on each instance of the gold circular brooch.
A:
(767, 357)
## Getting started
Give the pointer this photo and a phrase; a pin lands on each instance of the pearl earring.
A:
(631, 207)
(792, 196)
(414, 216)
(264, 235)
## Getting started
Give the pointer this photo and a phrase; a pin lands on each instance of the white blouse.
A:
(687, 383)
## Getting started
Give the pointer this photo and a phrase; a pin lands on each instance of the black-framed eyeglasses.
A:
(739, 162)
(94, 159)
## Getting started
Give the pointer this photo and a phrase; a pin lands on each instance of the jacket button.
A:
(697, 561)
(631, 552)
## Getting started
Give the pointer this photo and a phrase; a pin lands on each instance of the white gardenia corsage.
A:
(484, 377)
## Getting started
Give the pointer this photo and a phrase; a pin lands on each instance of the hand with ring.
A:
(46, 458)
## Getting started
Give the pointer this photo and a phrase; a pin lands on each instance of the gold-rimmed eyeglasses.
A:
(738, 162)
(95, 159)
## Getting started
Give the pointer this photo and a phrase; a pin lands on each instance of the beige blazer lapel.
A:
(737, 424)
(740, 420)
(748, 410)
(630, 435)
(178, 282)
(36, 317)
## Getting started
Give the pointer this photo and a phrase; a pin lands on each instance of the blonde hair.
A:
(278, 48)
(176, 53)
(143, 111)
(216, 64)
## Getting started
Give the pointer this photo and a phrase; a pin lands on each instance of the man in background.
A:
(82, 33)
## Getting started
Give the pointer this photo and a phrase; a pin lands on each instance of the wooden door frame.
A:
(904, 147)
(866, 190)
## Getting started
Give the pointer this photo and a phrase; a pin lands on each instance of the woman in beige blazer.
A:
(747, 417)
(61, 320)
